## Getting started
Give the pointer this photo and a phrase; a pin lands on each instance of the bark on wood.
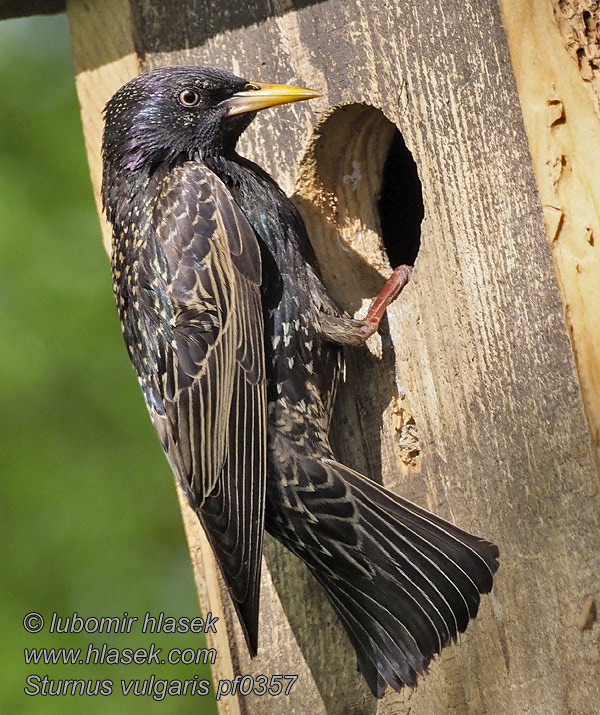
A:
(476, 352)
(556, 57)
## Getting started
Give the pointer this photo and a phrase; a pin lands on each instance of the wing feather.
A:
(199, 296)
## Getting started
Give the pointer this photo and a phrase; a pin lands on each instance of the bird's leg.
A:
(355, 332)
(392, 288)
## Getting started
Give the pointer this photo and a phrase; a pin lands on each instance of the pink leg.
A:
(391, 289)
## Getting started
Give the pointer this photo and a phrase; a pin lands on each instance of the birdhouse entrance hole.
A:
(400, 204)
(360, 195)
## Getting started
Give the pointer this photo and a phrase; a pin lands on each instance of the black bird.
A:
(237, 348)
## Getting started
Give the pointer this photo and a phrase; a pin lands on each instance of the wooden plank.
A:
(104, 60)
(477, 351)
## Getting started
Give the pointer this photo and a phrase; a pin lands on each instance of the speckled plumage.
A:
(235, 342)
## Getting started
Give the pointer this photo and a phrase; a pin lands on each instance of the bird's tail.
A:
(403, 581)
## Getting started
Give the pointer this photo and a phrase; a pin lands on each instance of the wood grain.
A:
(477, 347)
(555, 58)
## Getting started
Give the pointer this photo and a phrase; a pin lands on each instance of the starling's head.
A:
(177, 113)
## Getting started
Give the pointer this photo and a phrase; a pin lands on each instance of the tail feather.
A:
(404, 582)
(423, 561)
(380, 659)
(457, 541)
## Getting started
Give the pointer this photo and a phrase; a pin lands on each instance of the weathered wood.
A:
(555, 52)
(477, 351)
(24, 8)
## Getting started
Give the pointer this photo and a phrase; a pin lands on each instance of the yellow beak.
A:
(266, 95)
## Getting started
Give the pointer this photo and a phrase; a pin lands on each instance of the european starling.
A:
(238, 348)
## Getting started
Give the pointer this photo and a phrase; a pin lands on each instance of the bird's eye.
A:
(189, 97)
(251, 87)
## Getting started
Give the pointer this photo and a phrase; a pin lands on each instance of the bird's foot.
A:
(348, 331)
(392, 288)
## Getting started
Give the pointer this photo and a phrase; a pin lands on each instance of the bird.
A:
(238, 349)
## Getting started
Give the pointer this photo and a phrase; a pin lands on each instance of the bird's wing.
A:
(201, 277)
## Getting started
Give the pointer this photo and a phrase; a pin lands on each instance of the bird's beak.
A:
(266, 95)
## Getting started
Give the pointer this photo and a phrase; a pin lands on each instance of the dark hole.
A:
(400, 205)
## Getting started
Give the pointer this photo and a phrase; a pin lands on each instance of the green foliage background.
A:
(89, 514)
